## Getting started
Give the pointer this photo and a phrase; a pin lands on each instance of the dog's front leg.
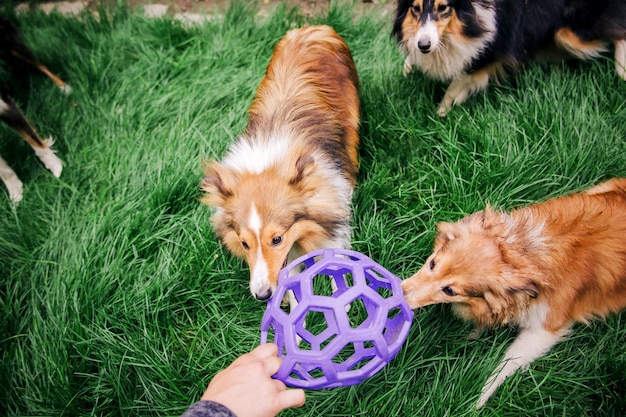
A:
(529, 345)
(620, 58)
(12, 182)
(408, 66)
(11, 115)
(461, 88)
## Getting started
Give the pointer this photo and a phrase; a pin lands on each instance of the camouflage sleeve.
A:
(208, 409)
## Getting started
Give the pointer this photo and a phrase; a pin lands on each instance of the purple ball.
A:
(337, 348)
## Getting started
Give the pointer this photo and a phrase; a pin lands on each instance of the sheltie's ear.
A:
(527, 288)
(510, 296)
(218, 183)
(302, 168)
(446, 232)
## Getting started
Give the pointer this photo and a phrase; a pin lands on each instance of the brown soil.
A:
(308, 7)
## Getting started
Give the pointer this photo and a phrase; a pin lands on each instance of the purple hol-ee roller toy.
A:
(350, 334)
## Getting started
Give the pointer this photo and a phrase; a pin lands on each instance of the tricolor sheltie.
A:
(16, 54)
(541, 268)
(471, 42)
(285, 186)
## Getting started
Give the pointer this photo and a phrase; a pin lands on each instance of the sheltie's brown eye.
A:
(442, 8)
(448, 291)
(432, 264)
(277, 240)
(245, 245)
(416, 10)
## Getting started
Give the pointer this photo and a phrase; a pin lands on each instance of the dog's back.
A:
(311, 85)
(583, 260)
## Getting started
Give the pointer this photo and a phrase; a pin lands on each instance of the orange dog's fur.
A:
(541, 268)
(285, 186)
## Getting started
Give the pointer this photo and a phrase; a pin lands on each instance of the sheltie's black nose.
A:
(263, 296)
(424, 45)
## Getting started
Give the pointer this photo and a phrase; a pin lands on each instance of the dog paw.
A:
(15, 188)
(66, 89)
(49, 159)
(442, 110)
(475, 333)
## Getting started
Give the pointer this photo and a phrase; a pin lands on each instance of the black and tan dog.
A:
(473, 42)
(15, 53)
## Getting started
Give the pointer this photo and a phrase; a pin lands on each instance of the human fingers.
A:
(271, 365)
(266, 350)
(291, 398)
(279, 385)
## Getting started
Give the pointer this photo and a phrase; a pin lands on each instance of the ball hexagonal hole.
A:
(323, 284)
(316, 373)
(315, 328)
(384, 292)
(362, 362)
(328, 278)
(306, 371)
(358, 313)
(393, 327)
(315, 321)
(354, 356)
(363, 312)
(375, 280)
(284, 302)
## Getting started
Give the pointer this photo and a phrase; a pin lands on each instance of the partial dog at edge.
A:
(472, 42)
(285, 186)
(541, 268)
(14, 52)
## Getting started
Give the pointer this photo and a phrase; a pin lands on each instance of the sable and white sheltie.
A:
(541, 268)
(285, 186)
(15, 53)
(471, 42)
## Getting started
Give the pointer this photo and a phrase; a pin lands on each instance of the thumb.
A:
(291, 398)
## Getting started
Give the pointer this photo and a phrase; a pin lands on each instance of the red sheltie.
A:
(285, 186)
(472, 42)
(15, 53)
(541, 268)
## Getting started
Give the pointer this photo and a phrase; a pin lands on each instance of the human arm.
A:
(247, 389)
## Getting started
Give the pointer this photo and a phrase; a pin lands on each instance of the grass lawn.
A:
(116, 297)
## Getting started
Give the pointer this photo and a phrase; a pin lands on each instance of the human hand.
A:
(247, 389)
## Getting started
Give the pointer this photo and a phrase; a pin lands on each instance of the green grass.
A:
(116, 297)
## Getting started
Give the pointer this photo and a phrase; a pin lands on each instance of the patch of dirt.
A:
(196, 9)
(265, 7)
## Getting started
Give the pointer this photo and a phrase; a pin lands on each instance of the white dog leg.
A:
(12, 182)
(48, 158)
(408, 66)
(530, 344)
(620, 58)
(461, 88)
